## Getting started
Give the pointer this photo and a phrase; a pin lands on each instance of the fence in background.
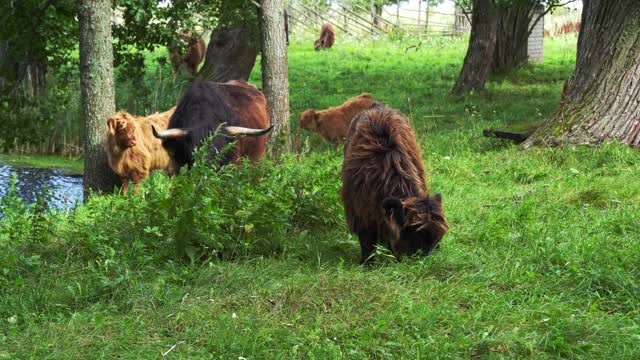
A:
(358, 21)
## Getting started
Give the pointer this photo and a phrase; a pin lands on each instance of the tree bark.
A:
(479, 59)
(512, 34)
(275, 75)
(601, 101)
(231, 55)
(97, 87)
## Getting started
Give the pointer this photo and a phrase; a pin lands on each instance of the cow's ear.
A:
(111, 124)
(394, 209)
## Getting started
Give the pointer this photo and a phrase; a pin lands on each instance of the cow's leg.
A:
(136, 179)
(125, 185)
(368, 239)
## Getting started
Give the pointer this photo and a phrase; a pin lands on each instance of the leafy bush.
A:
(205, 213)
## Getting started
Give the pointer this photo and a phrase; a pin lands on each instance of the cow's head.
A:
(309, 120)
(317, 44)
(418, 223)
(122, 128)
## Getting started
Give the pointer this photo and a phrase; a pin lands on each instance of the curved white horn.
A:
(169, 134)
(239, 131)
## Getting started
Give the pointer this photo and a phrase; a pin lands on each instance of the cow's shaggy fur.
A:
(206, 107)
(384, 189)
(332, 124)
(327, 37)
(132, 150)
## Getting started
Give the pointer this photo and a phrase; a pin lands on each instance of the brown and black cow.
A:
(384, 190)
(236, 108)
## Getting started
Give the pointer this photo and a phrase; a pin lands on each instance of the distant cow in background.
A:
(332, 124)
(236, 108)
(195, 52)
(327, 37)
(132, 151)
(384, 189)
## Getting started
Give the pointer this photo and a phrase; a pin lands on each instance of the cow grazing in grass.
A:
(384, 190)
(195, 52)
(332, 124)
(326, 39)
(132, 151)
(236, 108)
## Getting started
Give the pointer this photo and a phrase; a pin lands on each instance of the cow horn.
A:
(239, 131)
(169, 134)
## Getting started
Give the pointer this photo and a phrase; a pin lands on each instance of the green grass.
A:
(541, 260)
(67, 164)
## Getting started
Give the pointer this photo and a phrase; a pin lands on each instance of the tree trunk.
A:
(512, 35)
(377, 15)
(275, 75)
(478, 61)
(98, 94)
(231, 55)
(601, 101)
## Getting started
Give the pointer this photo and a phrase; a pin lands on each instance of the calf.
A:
(132, 150)
(384, 190)
(332, 124)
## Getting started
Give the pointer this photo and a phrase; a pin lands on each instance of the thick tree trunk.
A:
(275, 73)
(231, 55)
(478, 61)
(601, 101)
(512, 35)
(98, 94)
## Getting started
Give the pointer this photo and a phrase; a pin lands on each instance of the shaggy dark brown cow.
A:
(237, 108)
(132, 151)
(332, 124)
(384, 189)
(327, 37)
(195, 52)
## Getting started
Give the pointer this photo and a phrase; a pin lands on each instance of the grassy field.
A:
(541, 260)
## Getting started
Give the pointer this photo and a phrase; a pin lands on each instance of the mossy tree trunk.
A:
(275, 69)
(98, 94)
(479, 59)
(231, 55)
(601, 101)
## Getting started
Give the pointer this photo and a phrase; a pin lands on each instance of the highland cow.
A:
(236, 108)
(132, 151)
(384, 190)
(327, 37)
(332, 124)
(196, 50)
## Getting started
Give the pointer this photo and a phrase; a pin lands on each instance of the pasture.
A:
(541, 260)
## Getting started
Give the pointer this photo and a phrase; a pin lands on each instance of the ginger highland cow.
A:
(332, 124)
(132, 150)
